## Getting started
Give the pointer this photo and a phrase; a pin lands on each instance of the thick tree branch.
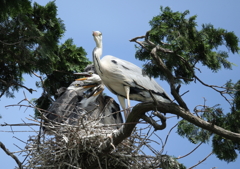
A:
(137, 112)
(154, 123)
(170, 77)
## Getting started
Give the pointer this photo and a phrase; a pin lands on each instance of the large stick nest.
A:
(79, 147)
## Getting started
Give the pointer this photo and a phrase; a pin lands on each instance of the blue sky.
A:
(120, 21)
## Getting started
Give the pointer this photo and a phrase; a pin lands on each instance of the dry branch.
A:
(141, 108)
(191, 151)
(201, 161)
(10, 154)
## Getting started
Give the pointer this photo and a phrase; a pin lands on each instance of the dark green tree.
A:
(29, 42)
(172, 49)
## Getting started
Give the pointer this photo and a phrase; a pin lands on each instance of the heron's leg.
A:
(127, 91)
(122, 102)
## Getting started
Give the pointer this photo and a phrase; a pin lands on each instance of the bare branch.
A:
(135, 39)
(201, 161)
(45, 90)
(190, 151)
(167, 137)
(11, 83)
(141, 108)
(10, 154)
(214, 88)
(20, 124)
(154, 123)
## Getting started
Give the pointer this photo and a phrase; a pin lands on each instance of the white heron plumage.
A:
(124, 79)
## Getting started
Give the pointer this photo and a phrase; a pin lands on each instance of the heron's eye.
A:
(76, 85)
(90, 73)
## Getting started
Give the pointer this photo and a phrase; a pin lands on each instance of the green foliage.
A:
(26, 41)
(13, 8)
(29, 39)
(70, 59)
(193, 133)
(226, 149)
(196, 134)
(183, 45)
(223, 148)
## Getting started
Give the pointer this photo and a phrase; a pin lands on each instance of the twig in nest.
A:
(110, 136)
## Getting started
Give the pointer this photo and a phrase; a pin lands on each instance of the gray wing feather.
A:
(131, 74)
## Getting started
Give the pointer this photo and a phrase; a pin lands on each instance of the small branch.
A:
(20, 124)
(167, 138)
(8, 84)
(15, 43)
(201, 161)
(184, 93)
(154, 123)
(45, 90)
(135, 39)
(10, 154)
(191, 151)
(214, 88)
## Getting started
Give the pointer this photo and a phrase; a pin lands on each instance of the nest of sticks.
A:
(78, 146)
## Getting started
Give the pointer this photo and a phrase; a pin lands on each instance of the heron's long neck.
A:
(97, 53)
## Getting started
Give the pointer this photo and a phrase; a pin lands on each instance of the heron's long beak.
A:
(89, 86)
(80, 79)
(99, 92)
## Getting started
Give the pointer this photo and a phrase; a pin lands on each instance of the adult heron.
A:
(125, 79)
